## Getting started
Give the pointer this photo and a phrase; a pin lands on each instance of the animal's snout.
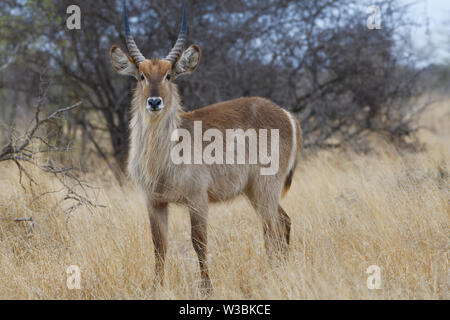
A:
(155, 103)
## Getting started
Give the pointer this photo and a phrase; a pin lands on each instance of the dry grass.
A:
(349, 211)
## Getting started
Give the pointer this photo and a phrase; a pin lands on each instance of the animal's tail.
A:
(298, 147)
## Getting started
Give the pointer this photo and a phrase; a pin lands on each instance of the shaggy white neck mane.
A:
(149, 161)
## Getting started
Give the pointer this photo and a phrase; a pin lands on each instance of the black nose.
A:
(154, 103)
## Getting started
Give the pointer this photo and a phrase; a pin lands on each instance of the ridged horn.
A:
(137, 56)
(177, 50)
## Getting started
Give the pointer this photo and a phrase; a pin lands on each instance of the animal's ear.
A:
(188, 61)
(123, 63)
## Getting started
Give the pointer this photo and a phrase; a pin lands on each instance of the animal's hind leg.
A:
(286, 221)
(265, 196)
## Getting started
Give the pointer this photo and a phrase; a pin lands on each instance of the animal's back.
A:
(243, 113)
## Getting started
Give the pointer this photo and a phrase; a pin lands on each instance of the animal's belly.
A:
(228, 182)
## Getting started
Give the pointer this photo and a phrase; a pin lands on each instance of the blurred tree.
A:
(316, 58)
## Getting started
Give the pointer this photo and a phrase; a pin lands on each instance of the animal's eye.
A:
(168, 77)
(142, 77)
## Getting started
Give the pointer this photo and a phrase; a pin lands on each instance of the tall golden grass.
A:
(349, 211)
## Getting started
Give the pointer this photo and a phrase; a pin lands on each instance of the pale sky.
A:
(434, 40)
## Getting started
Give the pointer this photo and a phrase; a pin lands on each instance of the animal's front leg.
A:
(199, 233)
(159, 225)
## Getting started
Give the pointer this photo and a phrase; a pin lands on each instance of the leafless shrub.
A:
(27, 147)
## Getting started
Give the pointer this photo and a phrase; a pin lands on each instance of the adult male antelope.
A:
(157, 114)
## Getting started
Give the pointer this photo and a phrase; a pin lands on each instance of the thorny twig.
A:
(26, 220)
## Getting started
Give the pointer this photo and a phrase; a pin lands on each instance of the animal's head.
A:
(155, 76)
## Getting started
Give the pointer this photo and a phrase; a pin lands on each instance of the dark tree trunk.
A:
(119, 141)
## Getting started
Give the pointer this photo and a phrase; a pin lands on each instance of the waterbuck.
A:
(157, 115)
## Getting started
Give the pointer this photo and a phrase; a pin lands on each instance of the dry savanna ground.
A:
(349, 211)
